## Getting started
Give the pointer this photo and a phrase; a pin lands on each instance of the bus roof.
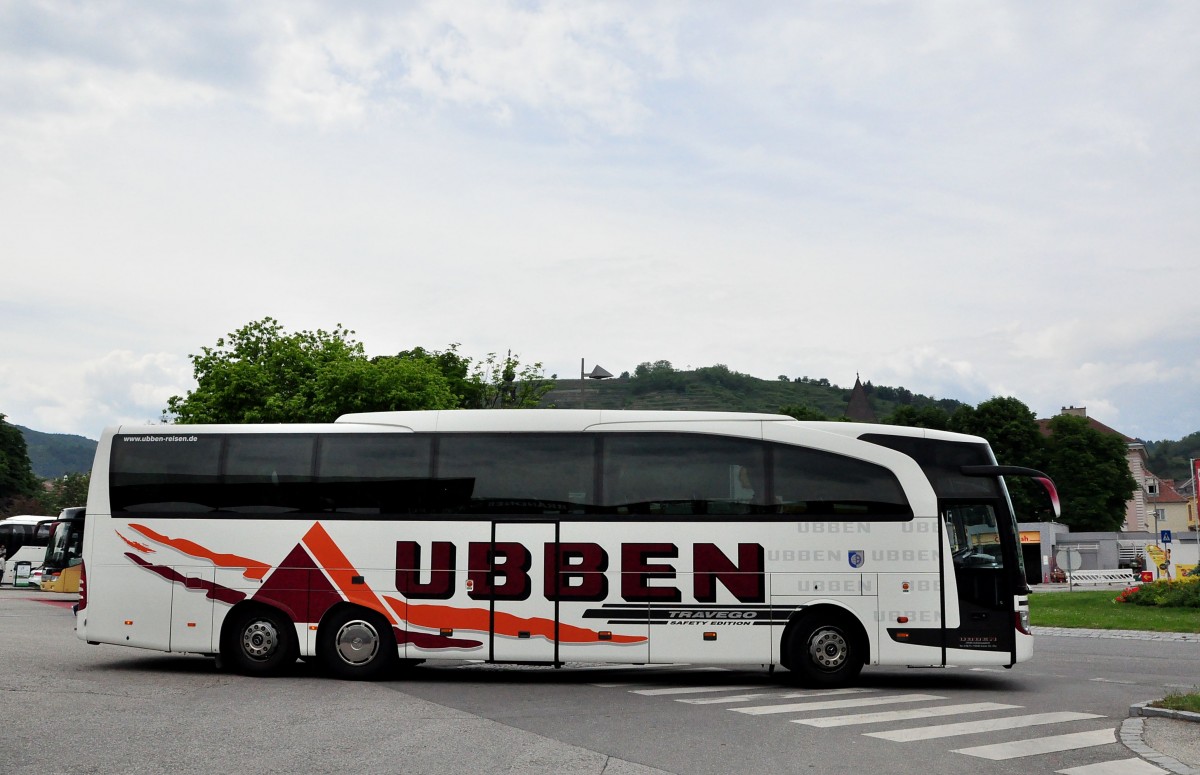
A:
(859, 429)
(25, 519)
(542, 419)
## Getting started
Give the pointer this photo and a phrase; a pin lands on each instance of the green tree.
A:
(1172, 459)
(455, 368)
(17, 480)
(503, 383)
(803, 412)
(493, 383)
(262, 374)
(659, 376)
(931, 417)
(64, 492)
(1011, 429)
(1091, 472)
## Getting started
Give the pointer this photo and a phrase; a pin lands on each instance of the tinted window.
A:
(269, 474)
(376, 474)
(683, 473)
(516, 473)
(818, 483)
(942, 462)
(165, 473)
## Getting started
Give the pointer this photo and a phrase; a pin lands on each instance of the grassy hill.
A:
(54, 454)
(712, 388)
(716, 388)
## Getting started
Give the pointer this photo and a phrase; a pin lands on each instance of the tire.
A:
(259, 641)
(355, 644)
(825, 652)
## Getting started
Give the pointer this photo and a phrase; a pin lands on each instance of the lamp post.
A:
(597, 372)
(1152, 491)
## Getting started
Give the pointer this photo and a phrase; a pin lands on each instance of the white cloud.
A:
(117, 387)
(966, 201)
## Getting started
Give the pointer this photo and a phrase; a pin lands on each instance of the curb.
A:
(1133, 736)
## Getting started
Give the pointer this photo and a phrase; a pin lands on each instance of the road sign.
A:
(1070, 559)
(1164, 536)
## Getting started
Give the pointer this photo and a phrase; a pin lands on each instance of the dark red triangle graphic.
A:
(299, 588)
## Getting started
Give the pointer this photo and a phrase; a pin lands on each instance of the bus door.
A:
(983, 579)
(524, 621)
(192, 611)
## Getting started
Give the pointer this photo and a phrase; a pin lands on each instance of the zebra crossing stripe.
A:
(972, 727)
(1040, 745)
(904, 715)
(691, 690)
(1134, 766)
(775, 695)
(804, 707)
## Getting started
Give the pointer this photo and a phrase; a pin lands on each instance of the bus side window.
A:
(508, 473)
(823, 484)
(387, 473)
(682, 474)
(269, 474)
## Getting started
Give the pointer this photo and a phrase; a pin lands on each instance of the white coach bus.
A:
(553, 536)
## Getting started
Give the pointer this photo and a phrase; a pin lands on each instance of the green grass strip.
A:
(1096, 610)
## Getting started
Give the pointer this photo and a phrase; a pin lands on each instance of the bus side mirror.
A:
(1032, 473)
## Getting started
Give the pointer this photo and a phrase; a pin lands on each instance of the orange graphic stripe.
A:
(477, 619)
(331, 559)
(253, 568)
(140, 547)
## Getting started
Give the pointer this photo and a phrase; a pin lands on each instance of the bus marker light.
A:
(312, 627)
(904, 587)
(902, 635)
(605, 635)
(446, 632)
(128, 622)
(710, 636)
(902, 619)
(191, 624)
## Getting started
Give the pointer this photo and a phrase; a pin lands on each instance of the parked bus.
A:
(23, 539)
(553, 536)
(64, 552)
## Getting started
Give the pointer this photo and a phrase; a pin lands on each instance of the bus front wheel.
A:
(824, 652)
(356, 644)
(259, 641)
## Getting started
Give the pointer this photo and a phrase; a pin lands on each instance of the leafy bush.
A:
(1169, 594)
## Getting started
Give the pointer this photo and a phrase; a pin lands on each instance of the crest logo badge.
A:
(858, 558)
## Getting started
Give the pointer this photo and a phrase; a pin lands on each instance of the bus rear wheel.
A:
(825, 652)
(259, 641)
(357, 645)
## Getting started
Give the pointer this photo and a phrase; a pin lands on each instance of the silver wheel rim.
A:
(828, 648)
(260, 639)
(357, 642)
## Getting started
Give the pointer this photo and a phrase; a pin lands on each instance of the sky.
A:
(964, 199)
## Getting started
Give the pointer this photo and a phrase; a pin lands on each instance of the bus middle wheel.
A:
(356, 644)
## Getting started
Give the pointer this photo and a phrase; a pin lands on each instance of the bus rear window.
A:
(162, 473)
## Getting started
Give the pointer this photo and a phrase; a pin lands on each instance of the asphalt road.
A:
(69, 707)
